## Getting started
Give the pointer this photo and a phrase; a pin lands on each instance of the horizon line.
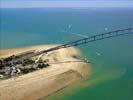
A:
(64, 4)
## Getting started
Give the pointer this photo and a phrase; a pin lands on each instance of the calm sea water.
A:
(112, 68)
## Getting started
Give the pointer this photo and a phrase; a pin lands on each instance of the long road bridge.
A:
(102, 36)
(97, 37)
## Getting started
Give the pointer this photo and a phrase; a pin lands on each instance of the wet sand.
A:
(45, 82)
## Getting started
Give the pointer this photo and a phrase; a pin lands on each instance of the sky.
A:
(64, 3)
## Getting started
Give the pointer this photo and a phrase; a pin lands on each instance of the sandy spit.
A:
(45, 82)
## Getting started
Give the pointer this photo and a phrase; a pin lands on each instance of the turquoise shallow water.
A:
(111, 59)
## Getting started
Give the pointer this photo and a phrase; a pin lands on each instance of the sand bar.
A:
(41, 83)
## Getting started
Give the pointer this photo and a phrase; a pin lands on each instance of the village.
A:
(14, 66)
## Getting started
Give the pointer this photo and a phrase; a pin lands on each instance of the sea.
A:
(111, 59)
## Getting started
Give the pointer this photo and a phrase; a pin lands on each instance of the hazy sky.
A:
(64, 3)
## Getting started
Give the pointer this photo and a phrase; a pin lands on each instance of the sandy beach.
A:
(45, 82)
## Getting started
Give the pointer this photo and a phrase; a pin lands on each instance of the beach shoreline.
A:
(44, 82)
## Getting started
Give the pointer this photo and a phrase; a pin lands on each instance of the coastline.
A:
(45, 82)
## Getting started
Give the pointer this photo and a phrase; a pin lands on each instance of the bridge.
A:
(102, 36)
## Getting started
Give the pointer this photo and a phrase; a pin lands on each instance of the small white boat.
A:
(69, 26)
(105, 28)
(97, 53)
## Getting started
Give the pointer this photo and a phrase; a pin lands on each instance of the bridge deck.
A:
(92, 38)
